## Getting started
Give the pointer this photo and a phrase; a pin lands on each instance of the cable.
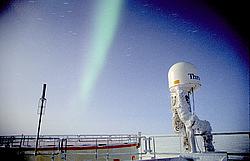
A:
(192, 89)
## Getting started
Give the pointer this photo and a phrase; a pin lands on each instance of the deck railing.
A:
(28, 141)
(148, 146)
(232, 143)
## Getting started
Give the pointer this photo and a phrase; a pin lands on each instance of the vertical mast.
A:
(42, 103)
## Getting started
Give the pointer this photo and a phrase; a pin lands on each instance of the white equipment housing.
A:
(183, 74)
(183, 80)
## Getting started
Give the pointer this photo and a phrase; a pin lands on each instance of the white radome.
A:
(183, 74)
(183, 79)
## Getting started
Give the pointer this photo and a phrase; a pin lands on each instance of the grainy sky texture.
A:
(106, 64)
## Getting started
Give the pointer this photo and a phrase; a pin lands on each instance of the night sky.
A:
(105, 64)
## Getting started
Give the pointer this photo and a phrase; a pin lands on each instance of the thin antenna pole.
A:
(43, 99)
(193, 99)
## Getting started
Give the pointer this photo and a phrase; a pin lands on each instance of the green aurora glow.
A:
(106, 21)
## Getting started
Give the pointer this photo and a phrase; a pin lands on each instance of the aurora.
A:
(106, 21)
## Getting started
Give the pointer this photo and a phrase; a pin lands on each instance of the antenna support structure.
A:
(40, 111)
(183, 81)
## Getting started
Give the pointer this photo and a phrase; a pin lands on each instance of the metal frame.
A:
(154, 152)
(59, 144)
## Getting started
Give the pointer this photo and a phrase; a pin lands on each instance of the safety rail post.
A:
(154, 147)
(139, 138)
(27, 141)
(12, 140)
(21, 140)
(108, 139)
(149, 144)
(63, 149)
(96, 149)
(24, 138)
(146, 145)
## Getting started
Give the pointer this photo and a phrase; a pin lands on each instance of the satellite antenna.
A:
(40, 111)
(183, 80)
